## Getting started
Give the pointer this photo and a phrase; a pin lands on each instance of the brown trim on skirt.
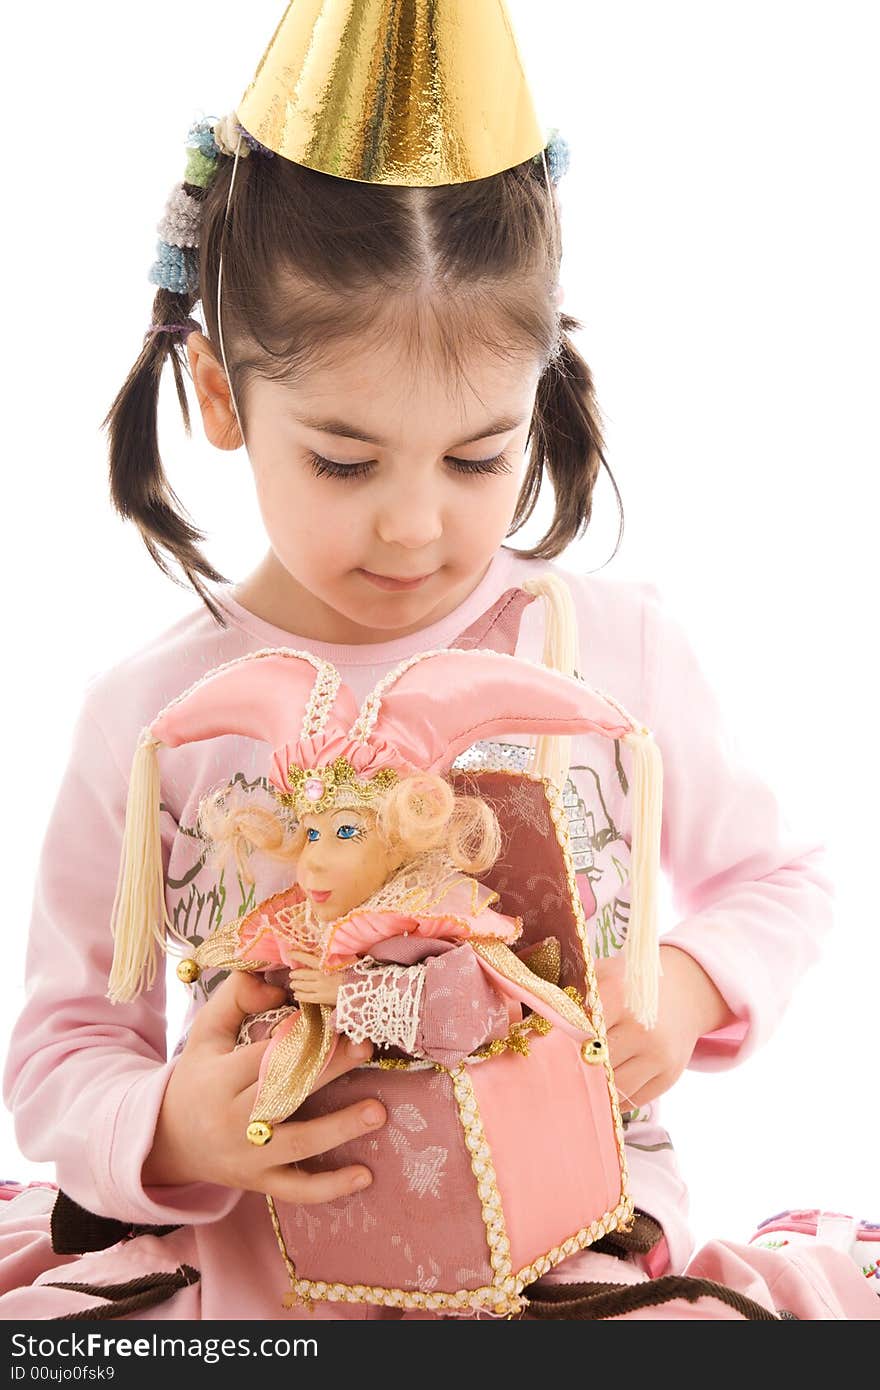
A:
(147, 1291)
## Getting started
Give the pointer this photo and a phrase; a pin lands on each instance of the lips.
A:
(384, 581)
(318, 897)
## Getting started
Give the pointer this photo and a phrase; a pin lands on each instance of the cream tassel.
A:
(553, 751)
(642, 944)
(140, 916)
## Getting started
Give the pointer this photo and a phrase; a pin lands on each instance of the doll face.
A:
(344, 860)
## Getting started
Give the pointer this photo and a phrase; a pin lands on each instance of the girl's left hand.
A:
(310, 984)
(647, 1061)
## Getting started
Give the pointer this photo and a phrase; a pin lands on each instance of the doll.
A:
(521, 1137)
(382, 926)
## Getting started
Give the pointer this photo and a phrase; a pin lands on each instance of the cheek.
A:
(493, 500)
(301, 516)
(364, 868)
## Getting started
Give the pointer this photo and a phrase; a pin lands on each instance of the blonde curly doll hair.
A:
(419, 814)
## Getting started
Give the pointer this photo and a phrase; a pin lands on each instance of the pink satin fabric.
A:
(435, 709)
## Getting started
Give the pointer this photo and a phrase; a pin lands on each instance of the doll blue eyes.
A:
(343, 832)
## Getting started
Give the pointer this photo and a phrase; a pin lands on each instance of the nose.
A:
(410, 516)
(312, 861)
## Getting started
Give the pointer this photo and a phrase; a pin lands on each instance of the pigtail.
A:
(138, 485)
(568, 445)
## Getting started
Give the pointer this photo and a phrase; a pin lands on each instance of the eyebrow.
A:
(340, 427)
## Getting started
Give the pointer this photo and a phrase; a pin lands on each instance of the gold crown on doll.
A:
(319, 789)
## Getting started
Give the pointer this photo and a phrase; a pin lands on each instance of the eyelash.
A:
(347, 825)
(326, 468)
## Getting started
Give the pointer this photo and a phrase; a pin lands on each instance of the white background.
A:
(721, 251)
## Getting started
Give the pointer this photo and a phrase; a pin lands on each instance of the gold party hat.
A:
(413, 92)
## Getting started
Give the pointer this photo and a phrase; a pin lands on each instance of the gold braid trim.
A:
(545, 959)
(218, 951)
(294, 1065)
(502, 959)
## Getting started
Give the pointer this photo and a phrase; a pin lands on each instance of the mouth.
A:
(318, 897)
(385, 581)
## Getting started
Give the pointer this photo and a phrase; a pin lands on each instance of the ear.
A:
(212, 390)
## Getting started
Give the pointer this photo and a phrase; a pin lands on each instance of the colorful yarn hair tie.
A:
(176, 267)
(558, 155)
(184, 329)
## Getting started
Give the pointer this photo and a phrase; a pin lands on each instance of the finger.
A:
(305, 957)
(301, 1139)
(217, 1024)
(631, 1081)
(296, 1139)
(622, 1045)
(290, 1185)
(346, 1056)
(610, 983)
(242, 1068)
(612, 1007)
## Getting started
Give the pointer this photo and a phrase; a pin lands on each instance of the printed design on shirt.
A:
(601, 857)
(206, 899)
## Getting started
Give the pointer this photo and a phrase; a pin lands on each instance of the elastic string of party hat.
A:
(220, 289)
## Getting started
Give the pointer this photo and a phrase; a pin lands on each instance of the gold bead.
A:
(188, 971)
(259, 1132)
(593, 1051)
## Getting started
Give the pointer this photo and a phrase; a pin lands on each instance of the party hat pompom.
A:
(176, 269)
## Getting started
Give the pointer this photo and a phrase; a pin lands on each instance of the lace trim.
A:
(382, 1004)
(269, 1019)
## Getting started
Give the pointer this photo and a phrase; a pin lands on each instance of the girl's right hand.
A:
(200, 1132)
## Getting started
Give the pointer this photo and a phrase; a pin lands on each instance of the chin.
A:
(393, 608)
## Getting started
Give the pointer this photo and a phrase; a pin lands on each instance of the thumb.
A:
(240, 994)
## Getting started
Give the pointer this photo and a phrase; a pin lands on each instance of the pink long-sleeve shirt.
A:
(85, 1078)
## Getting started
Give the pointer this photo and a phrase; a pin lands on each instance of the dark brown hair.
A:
(309, 261)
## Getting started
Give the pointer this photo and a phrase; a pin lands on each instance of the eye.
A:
(350, 832)
(313, 834)
(498, 464)
(326, 468)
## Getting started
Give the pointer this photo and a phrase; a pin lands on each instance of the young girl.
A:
(382, 333)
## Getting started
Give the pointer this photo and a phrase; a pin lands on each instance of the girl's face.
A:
(342, 862)
(371, 472)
